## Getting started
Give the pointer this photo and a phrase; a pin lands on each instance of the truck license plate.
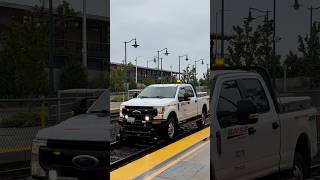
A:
(130, 119)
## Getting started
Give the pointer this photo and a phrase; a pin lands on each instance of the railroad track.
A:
(122, 154)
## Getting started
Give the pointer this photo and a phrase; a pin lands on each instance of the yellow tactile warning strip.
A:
(142, 165)
(15, 149)
(167, 166)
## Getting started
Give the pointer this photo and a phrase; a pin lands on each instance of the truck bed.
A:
(290, 104)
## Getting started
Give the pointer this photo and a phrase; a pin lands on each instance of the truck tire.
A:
(300, 168)
(170, 130)
(201, 123)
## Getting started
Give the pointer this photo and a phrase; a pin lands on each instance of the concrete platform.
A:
(196, 166)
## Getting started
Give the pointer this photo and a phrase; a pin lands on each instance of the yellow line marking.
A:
(142, 165)
(175, 161)
(15, 149)
(115, 109)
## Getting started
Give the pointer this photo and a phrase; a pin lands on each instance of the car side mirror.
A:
(135, 95)
(246, 112)
(80, 106)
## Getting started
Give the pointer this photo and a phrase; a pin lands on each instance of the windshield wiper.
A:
(100, 111)
(159, 97)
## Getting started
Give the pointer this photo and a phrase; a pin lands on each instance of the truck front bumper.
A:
(142, 129)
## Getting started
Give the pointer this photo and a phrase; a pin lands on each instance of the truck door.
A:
(183, 105)
(263, 143)
(228, 138)
(193, 107)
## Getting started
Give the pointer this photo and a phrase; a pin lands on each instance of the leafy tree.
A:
(189, 76)
(117, 77)
(252, 46)
(309, 47)
(73, 76)
(23, 57)
(149, 81)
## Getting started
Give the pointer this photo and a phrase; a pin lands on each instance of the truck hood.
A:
(149, 102)
(85, 127)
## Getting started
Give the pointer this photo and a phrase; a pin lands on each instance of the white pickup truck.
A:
(160, 108)
(254, 133)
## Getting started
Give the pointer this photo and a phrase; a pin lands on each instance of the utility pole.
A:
(222, 28)
(84, 34)
(51, 46)
(274, 46)
(161, 70)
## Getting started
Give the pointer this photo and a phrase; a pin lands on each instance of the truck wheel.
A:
(300, 169)
(170, 130)
(201, 123)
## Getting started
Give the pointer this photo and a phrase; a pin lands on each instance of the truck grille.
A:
(59, 155)
(139, 112)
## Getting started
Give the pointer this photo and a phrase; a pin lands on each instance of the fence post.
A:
(42, 115)
(59, 107)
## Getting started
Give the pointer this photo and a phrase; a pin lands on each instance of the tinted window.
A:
(253, 90)
(227, 104)
(189, 91)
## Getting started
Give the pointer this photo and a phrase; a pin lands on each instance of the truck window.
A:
(253, 90)
(181, 92)
(227, 104)
(189, 91)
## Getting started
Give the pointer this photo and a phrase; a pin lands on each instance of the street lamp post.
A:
(135, 45)
(165, 53)
(180, 63)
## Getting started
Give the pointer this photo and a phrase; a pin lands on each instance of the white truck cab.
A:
(161, 108)
(254, 133)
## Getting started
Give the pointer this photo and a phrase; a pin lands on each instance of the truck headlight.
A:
(121, 108)
(160, 110)
(36, 169)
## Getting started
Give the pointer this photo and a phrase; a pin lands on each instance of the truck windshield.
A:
(158, 92)
(100, 105)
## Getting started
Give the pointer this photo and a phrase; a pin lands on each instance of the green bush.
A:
(117, 99)
(20, 120)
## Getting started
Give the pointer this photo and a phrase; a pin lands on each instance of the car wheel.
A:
(202, 122)
(300, 169)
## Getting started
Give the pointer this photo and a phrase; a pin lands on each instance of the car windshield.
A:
(158, 92)
(100, 105)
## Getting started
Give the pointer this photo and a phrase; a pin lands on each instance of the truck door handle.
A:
(275, 125)
(196, 101)
(251, 130)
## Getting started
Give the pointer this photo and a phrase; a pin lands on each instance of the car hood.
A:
(85, 127)
(148, 102)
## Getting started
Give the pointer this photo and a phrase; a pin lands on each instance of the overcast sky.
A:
(182, 26)
(289, 22)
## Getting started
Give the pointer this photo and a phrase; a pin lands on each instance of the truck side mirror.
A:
(186, 97)
(80, 106)
(246, 112)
